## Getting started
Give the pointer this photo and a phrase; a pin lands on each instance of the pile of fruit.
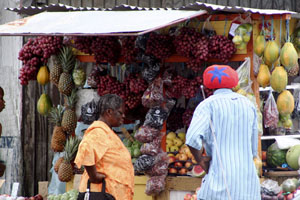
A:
(191, 196)
(70, 195)
(242, 36)
(133, 147)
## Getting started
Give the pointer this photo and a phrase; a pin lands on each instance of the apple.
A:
(172, 159)
(290, 196)
(194, 197)
(187, 196)
(188, 164)
(172, 170)
(182, 157)
(183, 171)
(178, 164)
(197, 189)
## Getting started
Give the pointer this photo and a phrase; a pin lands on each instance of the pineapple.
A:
(69, 119)
(57, 164)
(55, 71)
(65, 171)
(67, 60)
(58, 137)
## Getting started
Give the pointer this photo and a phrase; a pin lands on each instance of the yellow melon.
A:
(288, 55)
(285, 102)
(271, 52)
(279, 79)
(264, 75)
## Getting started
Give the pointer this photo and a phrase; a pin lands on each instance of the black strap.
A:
(103, 185)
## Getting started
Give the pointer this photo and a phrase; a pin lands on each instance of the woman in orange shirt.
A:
(103, 154)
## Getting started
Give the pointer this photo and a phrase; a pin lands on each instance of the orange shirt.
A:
(101, 147)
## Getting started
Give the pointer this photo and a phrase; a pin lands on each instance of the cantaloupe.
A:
(279, 79)
(288, 55)
(271, 52)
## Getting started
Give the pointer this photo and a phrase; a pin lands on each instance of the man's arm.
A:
(203, 161)
(94, 176)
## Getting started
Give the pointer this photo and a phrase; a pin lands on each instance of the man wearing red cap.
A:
(225, 124)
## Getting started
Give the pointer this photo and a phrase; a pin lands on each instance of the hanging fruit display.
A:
(242, 36)
(58, 136)
(44, 104)
(259, 45)
(288, 56)
(271, 52)
(43, 75)
(279, 79)
(69, 118)
(285, 102)
(263, 77)
(55, 70)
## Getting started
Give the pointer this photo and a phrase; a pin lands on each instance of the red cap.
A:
(220, 76)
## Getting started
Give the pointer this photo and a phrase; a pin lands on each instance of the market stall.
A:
(154, 60)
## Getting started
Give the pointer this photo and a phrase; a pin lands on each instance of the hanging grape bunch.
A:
(106, 49)
(137, 84)
(129, 51)
(199, 54)
(178, 83)
(159, 45)
(110, 85)
(35, 53)
(187, 117)
(221, 47)
(173, 123)
(83, 43)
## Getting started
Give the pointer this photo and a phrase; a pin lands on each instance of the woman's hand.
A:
(94, 176)
(204, 163)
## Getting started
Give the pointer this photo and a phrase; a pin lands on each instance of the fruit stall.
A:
(157, 70)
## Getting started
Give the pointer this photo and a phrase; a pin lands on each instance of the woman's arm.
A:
(95, 177)
(203, 161)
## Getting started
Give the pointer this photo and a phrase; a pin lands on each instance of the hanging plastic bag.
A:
(146, 134)
(207, 28)
(143, 163)
(153, 96)
(257, 61)
(245, 81)
(152, 148)
(241, 33)
(271, 114)
(155, 185)
(160, 166)
(89, 112)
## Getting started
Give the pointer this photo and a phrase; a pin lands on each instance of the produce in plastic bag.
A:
(245, 81)
(141, 42)
(161, 165)
(270, 187)
(207, 28)
(94, 76)
(285, 121)
(155, 185)
(152, 148)
(153, 96)
(89, 112)
(143, 163)
(242, 33)
(146, 134)
(271, 114)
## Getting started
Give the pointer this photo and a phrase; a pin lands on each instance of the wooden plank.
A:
(98, 3)
(86, 3)
(133, 2)
(109, 3)
(212, 1)
(156, 3)
(279, 4)
(255, 4)
(267, 4)
(143, 3)
(178, 3)
(222, 2)
(53, 1)
(120, 2)
(66, 2)
(183, 183)
(167, 3)
(76, 3)
(245, 3)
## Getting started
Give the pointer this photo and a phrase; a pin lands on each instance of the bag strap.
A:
(103, 185)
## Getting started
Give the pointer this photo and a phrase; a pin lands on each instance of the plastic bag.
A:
(141, 41)
(257, 61)
(152, 148)
(156, 116)
(161, 165)
(286, 143)
(207, 28)
(271, 114)
(94, 77)
(153, 96)
(243, 71)
(270, 187)
(146, 134)
(149, 73)
(241, 32)
(89, 112)
(155, 185)
(296, 94)
(143, 163)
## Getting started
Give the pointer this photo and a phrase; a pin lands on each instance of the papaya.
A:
(271, 52)
(259, 45)
(272, 65)
(43, 75)
(44, 104)
(288, 56)
(279, 79)
(264, 75)
(285, 102)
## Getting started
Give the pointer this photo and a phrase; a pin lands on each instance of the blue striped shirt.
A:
(235, 123)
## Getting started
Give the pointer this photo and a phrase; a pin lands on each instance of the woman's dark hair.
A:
(109, 101)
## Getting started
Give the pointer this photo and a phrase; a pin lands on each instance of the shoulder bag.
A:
(95, 195)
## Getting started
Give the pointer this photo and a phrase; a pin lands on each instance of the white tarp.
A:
(96, 22)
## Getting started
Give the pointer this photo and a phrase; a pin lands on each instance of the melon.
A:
(275, 156)
(279, 79)
(285, 103)
(289, 185)
(271, 52)
(44, 104)
(198, 171)
(288, 55)
(264, 75)
(259, 45)
(292, 156)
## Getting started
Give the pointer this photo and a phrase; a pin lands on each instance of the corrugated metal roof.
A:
(134, 22)
(211, 8)
(32, 10)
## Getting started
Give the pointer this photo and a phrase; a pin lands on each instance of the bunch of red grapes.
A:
(159, 45)
(129, 51)
(106, 49)
(173, 123)
(83, 43)
(136, 84)
(187, 117)
(199, 54)
(132, 100)
(35, 53)
(221, 47)
(108, 84)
